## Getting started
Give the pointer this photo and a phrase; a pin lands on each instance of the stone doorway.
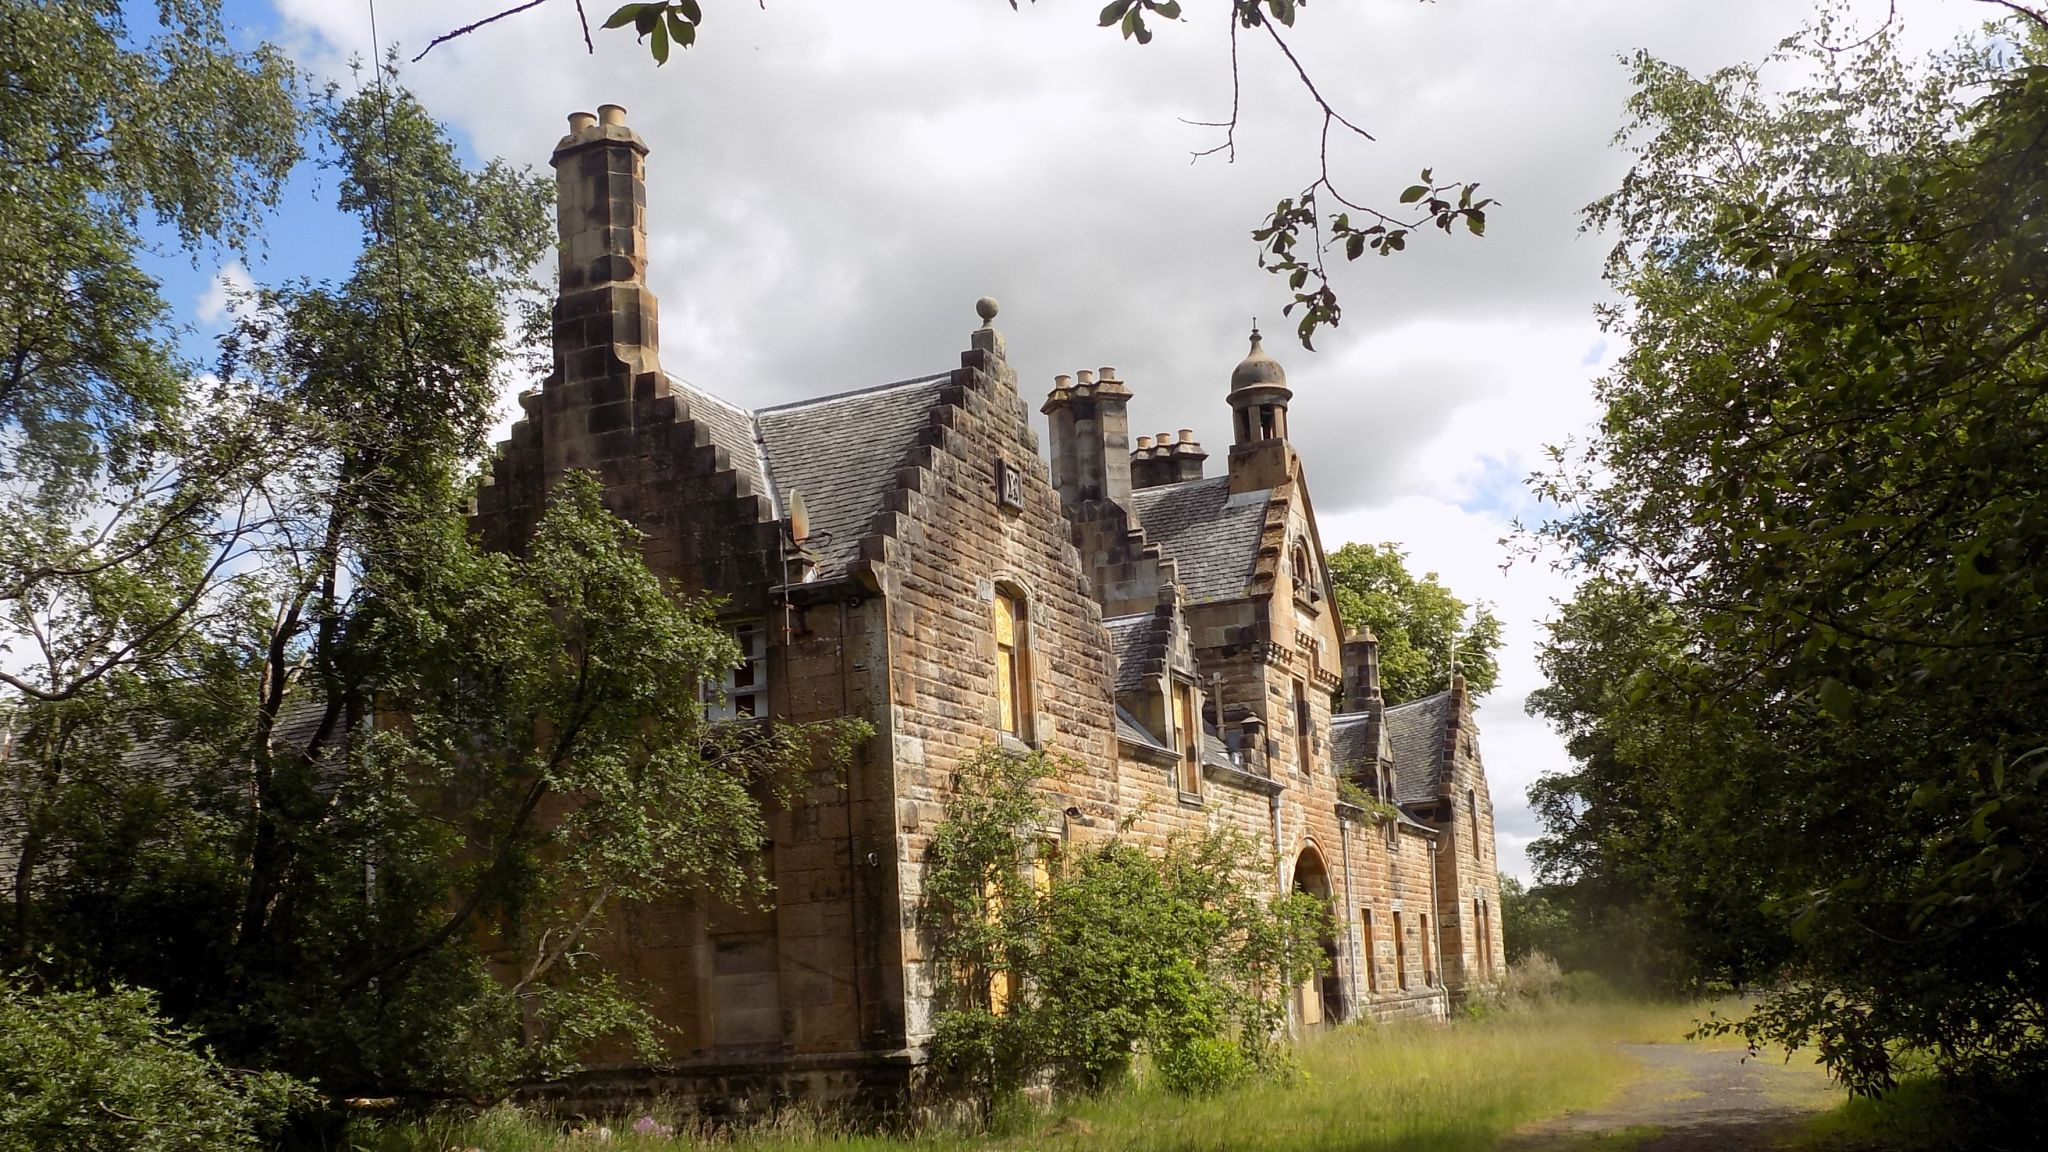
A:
(1321, 999)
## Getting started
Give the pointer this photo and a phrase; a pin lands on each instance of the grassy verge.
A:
(1419, 1088)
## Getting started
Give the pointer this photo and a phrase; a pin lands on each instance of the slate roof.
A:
(1212, 536)
(163, 758)
(731, 428)
(841, 451)
(1347, 740)
(1416, 732)
(1139, 643)
(1128, 728)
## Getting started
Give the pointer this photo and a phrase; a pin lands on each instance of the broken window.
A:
(743, 692)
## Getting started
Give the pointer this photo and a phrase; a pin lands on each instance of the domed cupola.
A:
(1259, 396)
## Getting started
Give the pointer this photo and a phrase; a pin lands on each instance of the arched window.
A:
(1013, 666)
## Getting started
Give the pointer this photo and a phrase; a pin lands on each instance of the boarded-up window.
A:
(1372, 950)
(1190, 736)
(745, 1001)
(1400, 953)
(1013, 687)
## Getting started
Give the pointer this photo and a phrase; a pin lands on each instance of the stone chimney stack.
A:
(1361, 659)
(1091, 438)
(606, 319)
(1167, 458)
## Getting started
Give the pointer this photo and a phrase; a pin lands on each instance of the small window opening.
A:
(1428, 959)
(1269, 428)
(1472, 817)
(1304, 722)
(743, 692)
(1013, 686)
(1400, 953)
(1372, 945)
(1190, 735)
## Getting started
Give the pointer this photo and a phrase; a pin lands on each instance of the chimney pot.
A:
(1187, 435)
(581, 122)
(612, 115)
(1144, 443)
(1062, 382)
(1084, 376)
(1164, 439)
(1105, 373)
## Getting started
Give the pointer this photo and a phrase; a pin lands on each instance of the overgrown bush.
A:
(89, 1072)
(1064, 964)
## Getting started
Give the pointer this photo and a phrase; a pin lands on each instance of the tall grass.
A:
(1418, 1088)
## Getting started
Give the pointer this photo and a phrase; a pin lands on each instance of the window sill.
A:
(1009, 743)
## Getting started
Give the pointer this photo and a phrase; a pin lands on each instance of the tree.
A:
(1419, 623)
(1818, 484)
(1294, 241)
(91, 1072)
(384, 761)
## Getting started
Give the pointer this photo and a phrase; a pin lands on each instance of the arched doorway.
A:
(1322, 999)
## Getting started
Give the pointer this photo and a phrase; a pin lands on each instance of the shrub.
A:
(89, 1072)
(1063, 966)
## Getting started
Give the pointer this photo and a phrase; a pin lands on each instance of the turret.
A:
(1259, 452)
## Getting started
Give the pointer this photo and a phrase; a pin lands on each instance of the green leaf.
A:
(1836, 698)
(691, 11)
(1414, 192)
(660, 44)
(1475, 222)
(1113, 12)
(626, 14)
(1168, 9)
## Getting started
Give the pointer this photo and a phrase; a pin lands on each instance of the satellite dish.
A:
(799, 517)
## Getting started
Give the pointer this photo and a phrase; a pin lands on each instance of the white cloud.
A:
(832, 185)
(226, 296)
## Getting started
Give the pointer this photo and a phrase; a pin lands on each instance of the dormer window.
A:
(1187, 730)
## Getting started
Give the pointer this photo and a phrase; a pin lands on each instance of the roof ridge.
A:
(852, 392)
(1433, 696)
(707, 394)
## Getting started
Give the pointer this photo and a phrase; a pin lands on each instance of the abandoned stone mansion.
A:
(907, 553)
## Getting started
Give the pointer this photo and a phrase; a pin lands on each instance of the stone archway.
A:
(1321, 1000)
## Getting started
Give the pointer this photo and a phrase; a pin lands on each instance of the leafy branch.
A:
(1294, 241)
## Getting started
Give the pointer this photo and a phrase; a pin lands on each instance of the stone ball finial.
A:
(986, 309)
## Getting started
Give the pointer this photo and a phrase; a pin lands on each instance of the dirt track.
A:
(1692, 1097)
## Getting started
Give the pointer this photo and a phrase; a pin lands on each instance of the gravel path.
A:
(1690, 1097)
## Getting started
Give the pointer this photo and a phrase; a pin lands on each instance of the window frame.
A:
(1012, 662)
(721, 697)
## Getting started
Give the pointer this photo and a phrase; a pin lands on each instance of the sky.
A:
(832, 185)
